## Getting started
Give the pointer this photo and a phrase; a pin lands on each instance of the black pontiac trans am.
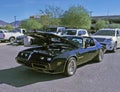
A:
(55, 54)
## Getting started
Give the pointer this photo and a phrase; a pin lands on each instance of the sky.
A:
(23, 9)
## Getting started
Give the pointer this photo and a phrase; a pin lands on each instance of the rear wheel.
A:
(31, 41)
(70, 67)
(12, 40)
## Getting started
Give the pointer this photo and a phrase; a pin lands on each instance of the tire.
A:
(71, 66)
(100, 56)
(115, 48)
(31, 42)
(12, 40)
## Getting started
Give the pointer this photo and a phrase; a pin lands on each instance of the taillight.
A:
(3, 35)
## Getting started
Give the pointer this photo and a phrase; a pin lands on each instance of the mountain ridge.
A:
(14, 24)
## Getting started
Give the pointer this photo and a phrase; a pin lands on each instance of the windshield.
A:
(105, 32)
(71, 32)
(76, 40)
(52, 30)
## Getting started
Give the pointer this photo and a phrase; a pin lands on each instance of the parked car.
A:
(76, 32)
(57, 54)
(56, 30)
(2, 35)
(6, 35)
(23, 39)
(109, 37)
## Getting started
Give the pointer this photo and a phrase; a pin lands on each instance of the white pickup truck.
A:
(6, 35)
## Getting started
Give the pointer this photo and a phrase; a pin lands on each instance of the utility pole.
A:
(90, 13)
(15, 20)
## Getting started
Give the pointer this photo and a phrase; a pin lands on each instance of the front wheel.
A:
(115, 48)
(70, 67)
(100, 56)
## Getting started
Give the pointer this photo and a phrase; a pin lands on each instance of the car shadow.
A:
(22, 76)
(87, 63)
(12, 44)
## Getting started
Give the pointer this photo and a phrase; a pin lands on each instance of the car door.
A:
(92, 49)
(86, 54)
(83, 55)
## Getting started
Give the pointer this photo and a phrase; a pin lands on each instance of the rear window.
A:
(4, 31)
(52, 30)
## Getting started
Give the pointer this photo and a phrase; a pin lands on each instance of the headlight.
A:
(26, 55)
(21, 54)
(42, 58)
(108, 41)
(49, 59)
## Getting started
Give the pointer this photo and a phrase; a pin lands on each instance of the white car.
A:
(6, 35)
(2, 35)
(76, 32)
(109, 37)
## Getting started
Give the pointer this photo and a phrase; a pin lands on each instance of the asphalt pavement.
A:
(92, 77)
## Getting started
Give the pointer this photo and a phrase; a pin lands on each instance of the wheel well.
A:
(115, 43)
(66, 71)
(69, 58)
(11, 37)
(72, 56)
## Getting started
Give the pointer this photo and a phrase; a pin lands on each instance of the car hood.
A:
(99, 36)
(46, 39)
(102, 39)
(46, 50)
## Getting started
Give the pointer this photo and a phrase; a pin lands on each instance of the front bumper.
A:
(54, 67)
(109, 47)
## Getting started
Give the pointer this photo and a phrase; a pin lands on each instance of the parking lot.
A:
(92, 77)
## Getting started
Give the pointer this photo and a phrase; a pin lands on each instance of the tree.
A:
(45, 21)
(31, 24)
(8, 27)
(77, 17)
(113, 25)
(100, 24)
(51, 16)
(52, 11)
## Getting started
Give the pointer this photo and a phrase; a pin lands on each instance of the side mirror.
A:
(92, 43)
(89, 42)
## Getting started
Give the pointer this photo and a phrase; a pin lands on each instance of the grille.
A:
(39, 66)
(100, 39)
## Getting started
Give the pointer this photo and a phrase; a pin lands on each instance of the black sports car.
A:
(57, 54)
